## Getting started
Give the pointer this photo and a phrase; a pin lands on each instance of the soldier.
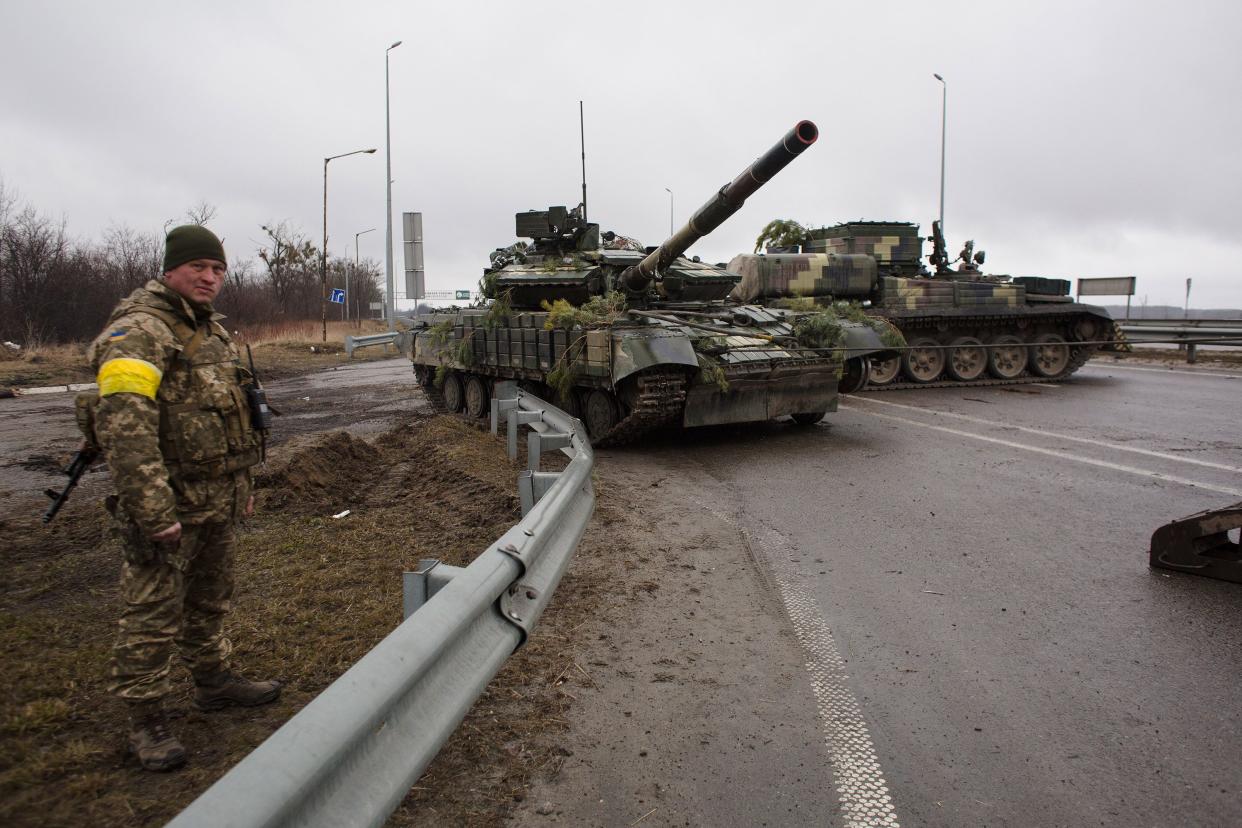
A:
(174, 423)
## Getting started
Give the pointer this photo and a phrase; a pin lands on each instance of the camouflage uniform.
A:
(174, 424)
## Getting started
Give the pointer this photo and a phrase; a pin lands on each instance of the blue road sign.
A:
(338, 296)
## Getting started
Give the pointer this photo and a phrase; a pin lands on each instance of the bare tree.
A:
(290, 260)
(33, 247)
(130, 258)
(201, 213)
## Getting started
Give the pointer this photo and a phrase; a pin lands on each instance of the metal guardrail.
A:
(1198, 329)
(1184, 333)
(350, 756)
(352, 343)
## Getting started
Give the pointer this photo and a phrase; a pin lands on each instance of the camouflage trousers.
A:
(175, 600)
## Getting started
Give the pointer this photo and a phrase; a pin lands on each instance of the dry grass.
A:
(280, 350)
(314, 595)
(303, 331)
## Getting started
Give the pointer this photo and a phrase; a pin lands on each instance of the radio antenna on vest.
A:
(582, 141)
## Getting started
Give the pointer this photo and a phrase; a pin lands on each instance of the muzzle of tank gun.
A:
(723, 204)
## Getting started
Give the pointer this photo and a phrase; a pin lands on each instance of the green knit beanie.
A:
(189, 242)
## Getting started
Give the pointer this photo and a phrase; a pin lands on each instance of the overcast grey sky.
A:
(1084, 138)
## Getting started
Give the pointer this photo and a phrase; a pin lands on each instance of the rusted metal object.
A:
(1201, 544)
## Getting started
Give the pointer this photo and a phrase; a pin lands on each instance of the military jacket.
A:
(172, 416)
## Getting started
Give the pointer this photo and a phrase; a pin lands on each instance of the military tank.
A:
(629, 338)
(963, 327)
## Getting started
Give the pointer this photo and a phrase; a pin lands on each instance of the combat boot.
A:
(149, 739)
(223, 689)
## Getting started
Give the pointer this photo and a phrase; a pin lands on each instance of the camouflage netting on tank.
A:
(595, 312)
(814, 328)
(780, 233)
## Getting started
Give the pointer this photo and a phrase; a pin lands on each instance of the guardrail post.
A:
(418, 586)
(517, 418)
(1190, 353)
(504, 399)
(349, 347)
(533, 485)
(537, 444)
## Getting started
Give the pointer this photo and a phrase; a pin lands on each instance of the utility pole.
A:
(390, 299)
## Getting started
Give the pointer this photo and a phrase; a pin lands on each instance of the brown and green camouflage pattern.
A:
(891, 244)
(782, 275)
(174, 599)
(182, 456)
(915, 294)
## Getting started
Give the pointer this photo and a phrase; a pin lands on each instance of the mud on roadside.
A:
(314, 594)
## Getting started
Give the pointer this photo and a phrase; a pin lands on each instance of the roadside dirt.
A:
(314, 594)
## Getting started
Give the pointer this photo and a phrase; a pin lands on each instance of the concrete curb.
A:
(47, 389)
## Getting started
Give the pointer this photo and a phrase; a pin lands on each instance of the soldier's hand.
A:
(249, 506)
(170, 535)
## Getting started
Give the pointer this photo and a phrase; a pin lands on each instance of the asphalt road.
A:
(967, 572)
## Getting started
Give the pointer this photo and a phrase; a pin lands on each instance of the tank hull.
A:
(627, 378)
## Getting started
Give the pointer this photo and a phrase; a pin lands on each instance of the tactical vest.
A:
(205, 425)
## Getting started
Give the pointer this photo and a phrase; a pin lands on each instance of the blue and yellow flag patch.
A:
(118, 335)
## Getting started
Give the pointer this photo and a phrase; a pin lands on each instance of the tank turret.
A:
(569, 259)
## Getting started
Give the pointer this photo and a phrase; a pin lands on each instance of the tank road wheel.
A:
(854, 379)
(808, 419)
(453, 392)
(1050, 356)
(599, 413)
(478, 400)
(1086, 329)
(924, 361)
(884, 371)
(1006, 357)
(967, 360)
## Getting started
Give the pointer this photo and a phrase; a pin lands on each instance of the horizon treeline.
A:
(56, 289)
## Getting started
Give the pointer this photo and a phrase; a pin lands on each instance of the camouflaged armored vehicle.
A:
(630, 338)
(961, 326)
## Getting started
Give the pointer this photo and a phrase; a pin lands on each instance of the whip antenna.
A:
(582, 140)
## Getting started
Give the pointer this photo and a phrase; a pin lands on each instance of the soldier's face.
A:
(198, 281)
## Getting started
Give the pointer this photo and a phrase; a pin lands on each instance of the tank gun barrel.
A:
(723, 204)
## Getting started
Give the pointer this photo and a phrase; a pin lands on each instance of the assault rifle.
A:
(81, 461)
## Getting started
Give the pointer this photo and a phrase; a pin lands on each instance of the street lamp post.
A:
(944, 111)
(390, 300)
(349, 295)
(323, 267)
(670, 210)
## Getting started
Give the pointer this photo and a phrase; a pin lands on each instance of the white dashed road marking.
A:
(1060, 455)
(1058, 435)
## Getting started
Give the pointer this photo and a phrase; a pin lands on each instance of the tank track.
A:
(661, 399)
(1079, 355)
(435, 396)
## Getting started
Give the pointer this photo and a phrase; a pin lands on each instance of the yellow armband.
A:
(133, 376)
